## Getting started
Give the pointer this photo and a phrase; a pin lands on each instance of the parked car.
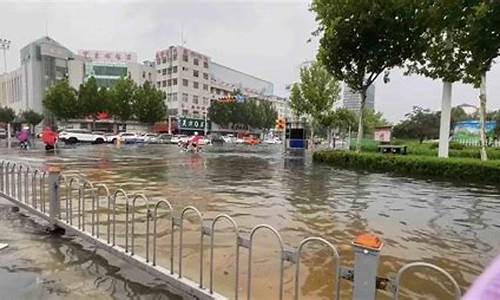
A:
(272, 140)
(3, 133)
(251, 140)
(229, 138)
(151, 138)
(179, 139)
(125, 137)
(164, 138)
(72, 136)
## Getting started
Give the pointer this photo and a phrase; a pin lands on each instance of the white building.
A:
(191, 80)
(352, 100)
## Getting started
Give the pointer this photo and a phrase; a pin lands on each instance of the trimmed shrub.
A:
(461, 169)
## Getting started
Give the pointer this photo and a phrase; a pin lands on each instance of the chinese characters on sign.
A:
(194, 124)
(108, 56)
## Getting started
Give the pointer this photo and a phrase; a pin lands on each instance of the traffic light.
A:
(280, 124)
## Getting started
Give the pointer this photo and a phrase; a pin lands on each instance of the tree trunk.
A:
(482, 116)
(444, 128)
(312, 137)
(360, 122)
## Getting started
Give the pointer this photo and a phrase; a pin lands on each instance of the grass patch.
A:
(431, 149)
(456, 169)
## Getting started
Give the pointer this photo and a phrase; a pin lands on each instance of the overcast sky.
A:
(267, 39)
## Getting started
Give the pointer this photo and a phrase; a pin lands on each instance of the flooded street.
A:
(455, 226)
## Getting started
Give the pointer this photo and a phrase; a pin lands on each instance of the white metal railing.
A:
(15, 177)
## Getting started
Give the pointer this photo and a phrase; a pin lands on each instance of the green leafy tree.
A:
(482, 42)
(149, 105)
(32, 118)
(122, 99)
(267, 115)
(7, 115)
(88, 100)
(418, 124)
(315, 94)
(221, 113)
(61, 101)
(458, 114)
(360, 39)
(442, 57)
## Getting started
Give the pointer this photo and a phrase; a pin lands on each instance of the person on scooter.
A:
(23, 138)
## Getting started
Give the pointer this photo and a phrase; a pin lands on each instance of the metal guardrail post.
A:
(54, 203)
(366, 249)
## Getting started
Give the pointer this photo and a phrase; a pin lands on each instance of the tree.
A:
(32, 118)
(363, 38)
(149, 105)
(7, 114)
(267, 115)
(443, 58)
(372, 119)
(61, 101)
(458, 114)
(418, 124)
(89, 101)
(221, 113)
(122, 96)
(315, 94)
(482, 42)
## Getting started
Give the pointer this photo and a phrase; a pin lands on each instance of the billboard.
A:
(469, 130)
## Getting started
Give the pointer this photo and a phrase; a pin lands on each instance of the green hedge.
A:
(461, 169)
(430, 149)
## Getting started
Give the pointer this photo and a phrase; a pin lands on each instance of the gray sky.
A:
(264, 38)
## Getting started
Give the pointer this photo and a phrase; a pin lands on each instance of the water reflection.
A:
(452, 225)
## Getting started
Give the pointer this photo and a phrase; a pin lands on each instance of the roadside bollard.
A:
(54, 203)
(366, 249)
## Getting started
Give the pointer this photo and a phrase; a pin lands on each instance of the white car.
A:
(72, 136)
(273, 140)
(228, 138)
(179, 139)
(151, 138)
(125, 137)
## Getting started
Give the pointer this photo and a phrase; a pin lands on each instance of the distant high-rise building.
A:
(352, 100)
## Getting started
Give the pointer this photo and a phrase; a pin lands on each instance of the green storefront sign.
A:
(193, 124)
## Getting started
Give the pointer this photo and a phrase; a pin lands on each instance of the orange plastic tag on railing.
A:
(368, 240)
(54, 169)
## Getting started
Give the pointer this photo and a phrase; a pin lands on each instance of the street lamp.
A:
(5, 45)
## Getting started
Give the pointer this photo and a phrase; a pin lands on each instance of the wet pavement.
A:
(453, 225)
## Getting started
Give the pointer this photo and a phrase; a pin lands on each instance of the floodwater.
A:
(453, 225)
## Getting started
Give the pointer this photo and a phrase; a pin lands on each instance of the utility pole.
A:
(5, 45)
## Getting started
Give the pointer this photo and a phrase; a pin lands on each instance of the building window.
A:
(169, 70)
(196, 62)
(169, 82)
(159, 71)
(185, 112)
(184, 97)
(205, 101)
(164, 83)
(164, 72)
(185, 57)
(195, 99)
(164, 60)
(205, 64)
(174, 97)
(185, 82)
(158, 83)
(205, 87)
(217, 91)
(143, 74)
(158, 61)
(174, 81)
(205, 75)
(175, 57)
(196, 73)
(174, 69)
(196, 84)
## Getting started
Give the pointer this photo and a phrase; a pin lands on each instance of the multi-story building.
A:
(352, 100)
(45, 61)
(184, 76)
(191, 80)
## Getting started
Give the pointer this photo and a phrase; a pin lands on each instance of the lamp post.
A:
(5, 45)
